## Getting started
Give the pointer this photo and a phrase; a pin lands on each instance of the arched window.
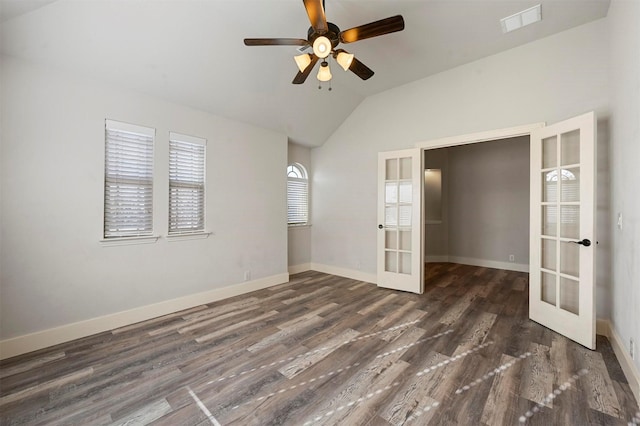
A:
(297, 195)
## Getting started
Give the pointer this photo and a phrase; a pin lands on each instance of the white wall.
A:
(624, 22)
(299, 248)
(549, 80)
(53, 269)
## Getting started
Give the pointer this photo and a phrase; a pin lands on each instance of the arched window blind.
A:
(186, 184)
(128, 183)
(297, 195)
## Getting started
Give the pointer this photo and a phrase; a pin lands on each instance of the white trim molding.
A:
(344, 272)
(490, 135)
(507, 266)
(53, 336)
(436, 259)
(605, 328)
(296, 269)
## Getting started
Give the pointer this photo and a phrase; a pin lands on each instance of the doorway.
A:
(476, 204)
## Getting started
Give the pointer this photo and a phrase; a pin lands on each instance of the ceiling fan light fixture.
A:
(302, 61)
(322, 47)
(344, 59)
(324, 73)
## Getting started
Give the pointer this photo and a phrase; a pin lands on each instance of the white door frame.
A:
(497, 134)
(491, 135)
(470, 138)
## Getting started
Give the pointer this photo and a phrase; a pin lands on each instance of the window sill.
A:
(187, 237)
(127, 241)
(301, 226)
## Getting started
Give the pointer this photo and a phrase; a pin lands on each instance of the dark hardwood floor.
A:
(329, 350)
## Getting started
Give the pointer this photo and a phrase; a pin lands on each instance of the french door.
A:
(562, 233)
(399, 244)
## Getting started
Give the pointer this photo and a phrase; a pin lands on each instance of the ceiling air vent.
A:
(521, 19)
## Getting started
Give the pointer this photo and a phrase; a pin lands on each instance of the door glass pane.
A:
(392, 169)
(548, 288)
(405, 263)
(391, 216)
(549, 254)
(405, 216)
(570, 259)
(549, 152)
(570, 147)
(570, 295)
(549, 220)
(391, 240)
(570, 184)
(406, 192)
(569, 221)
(550, 186)
(405, 240)
(391, 261)
(405, 168)
(390, 192)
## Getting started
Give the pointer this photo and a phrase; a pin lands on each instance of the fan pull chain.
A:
(320, 86)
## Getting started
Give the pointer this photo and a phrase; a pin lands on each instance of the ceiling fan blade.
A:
(275, 42)
(318, 20)
(302, 75)
(360, 69)
(373, 29)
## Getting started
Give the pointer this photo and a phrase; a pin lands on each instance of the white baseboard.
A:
(296, 269)
(344, 272)
(508, 266)
(434, 259)
(53, 336)
(629, 368)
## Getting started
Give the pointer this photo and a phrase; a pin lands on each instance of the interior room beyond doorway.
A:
(477, 204)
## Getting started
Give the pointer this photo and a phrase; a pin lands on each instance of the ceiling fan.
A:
(324, 38)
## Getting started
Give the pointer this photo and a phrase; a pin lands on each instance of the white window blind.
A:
(186, 184)
(128, 183)
(297, 195)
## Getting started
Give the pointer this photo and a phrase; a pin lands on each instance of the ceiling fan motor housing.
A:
(333, 35)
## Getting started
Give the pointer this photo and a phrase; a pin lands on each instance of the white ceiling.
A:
(192, 52)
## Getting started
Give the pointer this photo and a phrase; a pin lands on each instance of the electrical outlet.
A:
(512, 258)
(632, 348)
(247, 275)
(619, 220)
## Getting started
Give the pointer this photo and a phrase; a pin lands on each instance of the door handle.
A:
(380, 226)
(584, 242)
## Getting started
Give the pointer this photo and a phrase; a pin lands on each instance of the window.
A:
(128, 181)
(297, 195)
(186, 184)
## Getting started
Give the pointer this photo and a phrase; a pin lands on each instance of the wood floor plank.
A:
(46, 386)
(297, 366)
(500, 408)
(601, 394)
(31, 364)
(537, 377)
(146, 414)
(373, 307)
(233, 327)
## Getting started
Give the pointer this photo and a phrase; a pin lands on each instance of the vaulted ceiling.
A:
(191, 51)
